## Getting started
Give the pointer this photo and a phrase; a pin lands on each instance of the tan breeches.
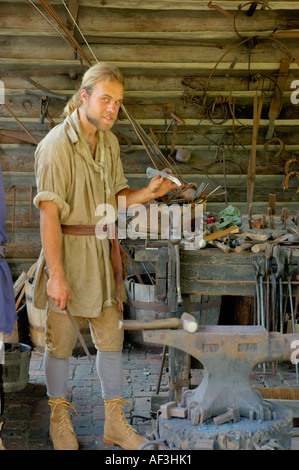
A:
(61, 336)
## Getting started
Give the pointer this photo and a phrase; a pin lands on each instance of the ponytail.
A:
(72, 104)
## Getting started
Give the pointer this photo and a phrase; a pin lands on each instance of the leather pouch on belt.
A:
(40, 296)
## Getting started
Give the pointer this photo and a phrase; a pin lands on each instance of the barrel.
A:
(14, 373)
(36, 318)
(142, 305)
(205, 308)
(37, 324)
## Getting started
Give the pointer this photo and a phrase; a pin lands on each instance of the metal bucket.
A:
(14, 373)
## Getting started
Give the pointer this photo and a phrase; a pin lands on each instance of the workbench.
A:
(206, 271)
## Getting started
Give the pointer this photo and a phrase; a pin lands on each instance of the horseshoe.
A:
(288, 164)
(288, 177)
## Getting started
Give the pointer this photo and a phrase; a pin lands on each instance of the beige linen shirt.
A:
(67, 174)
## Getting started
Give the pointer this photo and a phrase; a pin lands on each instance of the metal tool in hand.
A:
(83, 344)
(150, 172)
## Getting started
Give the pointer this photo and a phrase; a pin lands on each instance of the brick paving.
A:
(26, 412)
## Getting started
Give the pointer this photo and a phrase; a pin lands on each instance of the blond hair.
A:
(97, 73)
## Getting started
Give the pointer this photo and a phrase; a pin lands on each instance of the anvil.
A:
(228, 354)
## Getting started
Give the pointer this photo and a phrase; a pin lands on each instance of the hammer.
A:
(187, 322)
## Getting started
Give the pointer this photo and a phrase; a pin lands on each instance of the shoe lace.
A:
(119, 402)
(63, 413)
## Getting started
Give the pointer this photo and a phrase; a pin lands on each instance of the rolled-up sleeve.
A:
(63, 207)
(52, 179)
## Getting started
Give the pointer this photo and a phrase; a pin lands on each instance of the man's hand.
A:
(160, 186)
(59, 290)
(157, 187)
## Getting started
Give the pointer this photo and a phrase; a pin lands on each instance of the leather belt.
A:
(80, 229)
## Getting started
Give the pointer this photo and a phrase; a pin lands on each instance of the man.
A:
(78, 168)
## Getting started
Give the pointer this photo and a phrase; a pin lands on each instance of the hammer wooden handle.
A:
(243, 247)
(220, 246)
(222, 233)
(150, 325)
(259, 247)
(187, 321)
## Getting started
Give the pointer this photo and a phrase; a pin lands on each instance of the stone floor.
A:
(26, 412)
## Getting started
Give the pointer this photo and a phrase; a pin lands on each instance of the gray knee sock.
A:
(56, 373)
(110, 371)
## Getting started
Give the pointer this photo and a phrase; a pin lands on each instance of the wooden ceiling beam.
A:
(170, 4)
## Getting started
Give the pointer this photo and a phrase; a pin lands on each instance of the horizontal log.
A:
(31, 123)
(167, 4)
(208, 38)
(93, 18)
(239, 288)
(152, 104)
(23, 64)
(24, 245)
(126, 20)
(25, 180)
(199, 134)
(61, 81)
(20, 47)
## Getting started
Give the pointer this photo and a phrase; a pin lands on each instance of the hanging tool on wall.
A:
(45, 98)
(175, 121)
(292, 163)
(221, 10)
(257, 111)
(281, 147)
(276, 102)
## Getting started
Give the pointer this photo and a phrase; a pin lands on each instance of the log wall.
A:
(186, 57)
